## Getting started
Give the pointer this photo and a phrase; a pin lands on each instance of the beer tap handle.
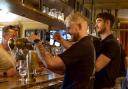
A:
(11, 44)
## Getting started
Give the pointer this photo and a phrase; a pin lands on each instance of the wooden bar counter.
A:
(43, 81)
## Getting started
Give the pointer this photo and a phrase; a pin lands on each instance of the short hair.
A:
(107, 16)
(6, 28)
(76, 17)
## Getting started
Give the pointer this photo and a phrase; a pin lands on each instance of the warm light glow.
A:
(7, 16)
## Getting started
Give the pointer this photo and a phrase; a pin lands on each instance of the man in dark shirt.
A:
(77, 62)
(80, 68)
(108, 59)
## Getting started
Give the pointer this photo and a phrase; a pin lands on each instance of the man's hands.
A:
(66, 44)
(57, 37)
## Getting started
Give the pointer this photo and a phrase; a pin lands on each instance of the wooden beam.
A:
(118, 5)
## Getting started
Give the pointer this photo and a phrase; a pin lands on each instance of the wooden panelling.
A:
(107, 4)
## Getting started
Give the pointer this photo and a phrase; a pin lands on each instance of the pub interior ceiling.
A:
(120, 5)
(104, 5)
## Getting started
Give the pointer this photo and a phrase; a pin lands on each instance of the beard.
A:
(102, 30)
(75, 37)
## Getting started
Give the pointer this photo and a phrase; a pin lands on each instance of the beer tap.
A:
(29, 56)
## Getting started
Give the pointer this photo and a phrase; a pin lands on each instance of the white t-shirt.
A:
(6, 60)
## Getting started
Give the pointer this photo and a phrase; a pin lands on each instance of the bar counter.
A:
(44, 81)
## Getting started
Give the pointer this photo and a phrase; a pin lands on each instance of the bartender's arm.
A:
(50, 61)
(101, 62)
(62, 41)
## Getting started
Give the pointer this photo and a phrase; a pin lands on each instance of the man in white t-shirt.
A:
(7, 61)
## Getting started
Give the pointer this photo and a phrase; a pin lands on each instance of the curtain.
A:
(124, 40)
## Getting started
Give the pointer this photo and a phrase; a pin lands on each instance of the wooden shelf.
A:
(32, 9)
(15, 6)
(59, 5)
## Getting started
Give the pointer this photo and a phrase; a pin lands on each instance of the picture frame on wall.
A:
(39, 32)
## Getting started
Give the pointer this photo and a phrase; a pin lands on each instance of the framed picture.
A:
(39, 32)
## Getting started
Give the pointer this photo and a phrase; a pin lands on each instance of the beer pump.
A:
(21, 44)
